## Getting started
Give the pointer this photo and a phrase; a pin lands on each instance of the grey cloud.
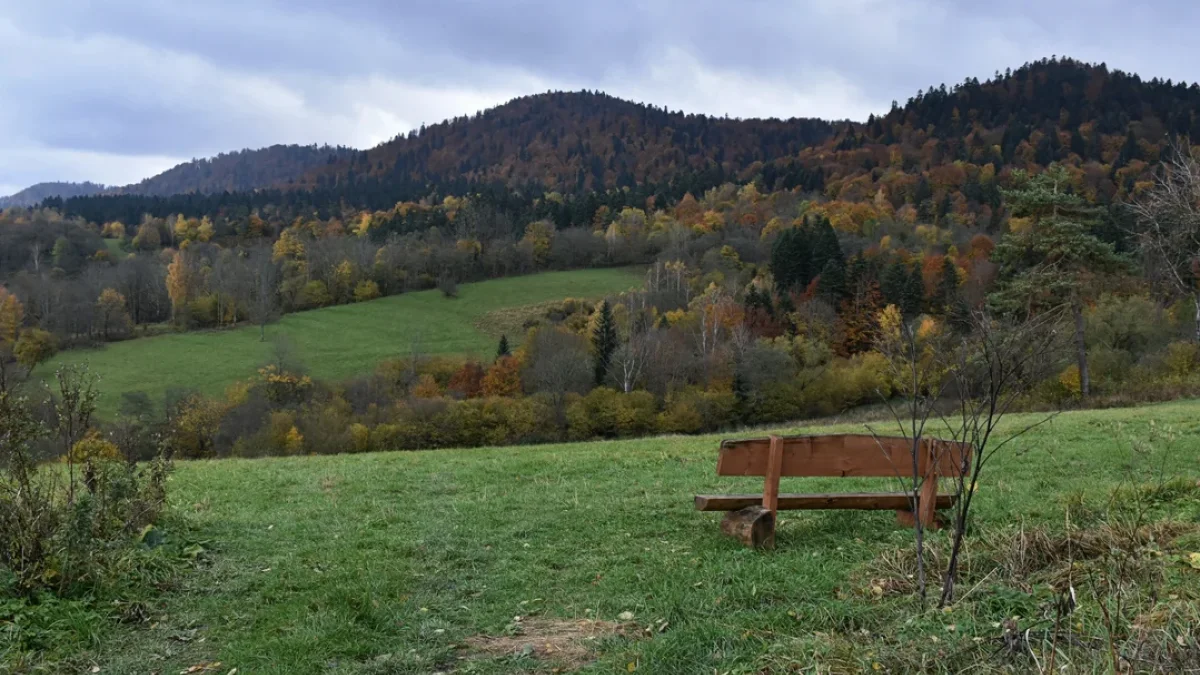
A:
(138, 81)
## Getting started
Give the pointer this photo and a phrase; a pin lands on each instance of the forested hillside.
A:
(36, 194)
(243, 170)
(776, 250)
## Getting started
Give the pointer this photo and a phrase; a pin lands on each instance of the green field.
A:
(398, 563)
(335, 342)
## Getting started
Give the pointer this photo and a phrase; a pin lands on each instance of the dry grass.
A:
(567, 644)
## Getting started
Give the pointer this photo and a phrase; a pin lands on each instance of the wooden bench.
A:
(751, 517)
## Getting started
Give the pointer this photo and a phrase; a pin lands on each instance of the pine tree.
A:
(604, 341)
(791, 259)
(1057, 259)
(894, 283)
(503, 349)
(832, 285)
(947, 291)
(913, 299)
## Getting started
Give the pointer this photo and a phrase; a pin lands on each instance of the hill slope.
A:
(35, 194)
(335, 342)
(243, 170)
(401, 562)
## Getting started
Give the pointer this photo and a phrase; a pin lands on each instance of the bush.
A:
(366, 290)
(69, 531)
(693, 410)
(35, 346)
(1182, 359)
(315, 294)
(608, 413)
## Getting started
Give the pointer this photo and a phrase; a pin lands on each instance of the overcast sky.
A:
(117, 90)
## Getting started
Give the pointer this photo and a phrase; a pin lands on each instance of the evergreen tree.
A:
(914, 294)
(604, 341)
(832, 285)
(825, 246)
(1056, 259)
(947, 291)
(894, 284)
(503, 350)
(790, 259)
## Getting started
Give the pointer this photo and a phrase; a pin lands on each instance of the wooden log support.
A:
(754, 526)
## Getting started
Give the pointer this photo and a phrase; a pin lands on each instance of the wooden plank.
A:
(866, 501)
(771, 484)
(926, 508)
(844, 455)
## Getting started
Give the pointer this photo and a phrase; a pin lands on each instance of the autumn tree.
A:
(503, 378)
(1168, 226)
(1051, 257)
(34, 347)
(12, 315)
(147, 237)
(182, 283)
(112, 312)
(467, 381)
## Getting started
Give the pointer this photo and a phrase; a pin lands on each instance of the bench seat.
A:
(869, 501)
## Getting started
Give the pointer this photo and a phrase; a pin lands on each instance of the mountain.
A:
(238, 171)
(940, 159)
(943, 156)
(34, 194)
(572, 141)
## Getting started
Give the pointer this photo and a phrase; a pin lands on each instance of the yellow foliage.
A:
(1019, 225)
(712, 221)
(362, 224)
(427, 387)
(366, 290)
(891, 323)
(293, 442)
(360, 437)
(469, 246)
(12, 315)
(539, 236)
(94, 448)
(773, 226)
(1070, 381)
(113, 230)
(288, 246)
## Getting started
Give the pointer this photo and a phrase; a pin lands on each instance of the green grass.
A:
(113, 246)
(335, 342)
(388, 563)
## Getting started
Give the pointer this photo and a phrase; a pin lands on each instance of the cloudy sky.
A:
(116, 90)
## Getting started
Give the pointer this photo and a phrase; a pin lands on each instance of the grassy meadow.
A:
(478, 561)
(338, 342)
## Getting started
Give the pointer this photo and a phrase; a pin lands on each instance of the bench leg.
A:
(926, 506)
(774, 469)
(754, 526)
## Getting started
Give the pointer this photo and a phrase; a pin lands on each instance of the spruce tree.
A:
(947, 291)
(604, 341)
(914, 294)
(894, 284)
(503, 350)
(1055, 259)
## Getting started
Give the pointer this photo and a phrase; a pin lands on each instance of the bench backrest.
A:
(846, 455)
